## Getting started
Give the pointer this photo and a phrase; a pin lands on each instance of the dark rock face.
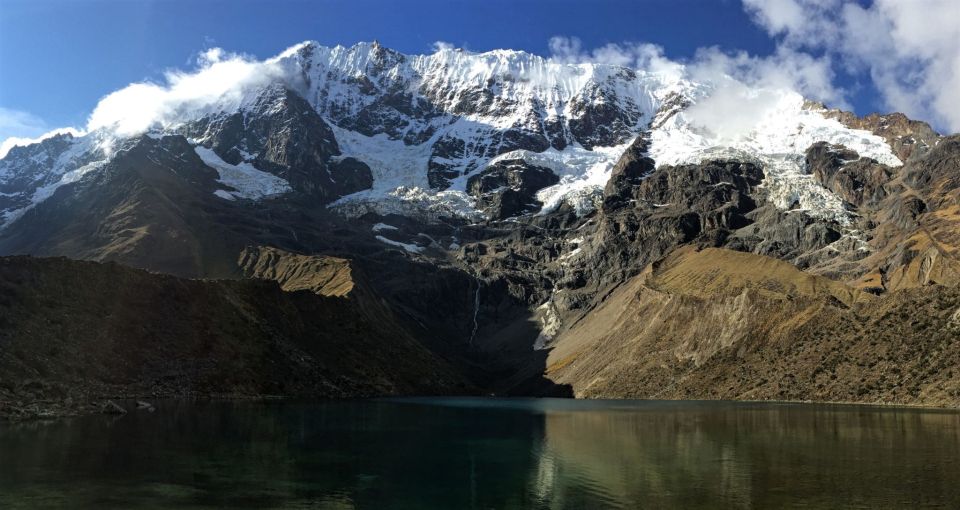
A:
(643, 220)
(938, 171)
(442, 166)
(783, 234)
(632, 167)
(349, 176)
(599, 120)
(906, 211)
(449, 153)
(508, 187)
(859, 181)
(718, 192)
(286, 138)
(553, 129)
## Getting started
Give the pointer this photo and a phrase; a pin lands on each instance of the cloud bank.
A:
(569, 50)
(220, 82)
(910, 49)
(744, 88)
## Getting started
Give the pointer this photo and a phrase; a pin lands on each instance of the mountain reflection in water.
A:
(486, 453)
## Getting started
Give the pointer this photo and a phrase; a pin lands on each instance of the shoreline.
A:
(53, 410)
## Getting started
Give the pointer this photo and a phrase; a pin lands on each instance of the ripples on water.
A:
(486, 453)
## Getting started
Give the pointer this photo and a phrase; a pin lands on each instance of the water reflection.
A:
(467, 453)
(750, 456)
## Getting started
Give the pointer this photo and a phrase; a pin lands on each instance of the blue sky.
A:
(59, 57)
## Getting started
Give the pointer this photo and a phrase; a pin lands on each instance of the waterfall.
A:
(476, 310)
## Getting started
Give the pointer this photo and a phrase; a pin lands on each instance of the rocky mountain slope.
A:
(74, 333)
(535, 227)
(720, 324)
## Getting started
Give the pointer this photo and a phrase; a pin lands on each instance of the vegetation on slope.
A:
(717, 324)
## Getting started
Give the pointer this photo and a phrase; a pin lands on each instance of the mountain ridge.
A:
(475, 107)
(492, 241)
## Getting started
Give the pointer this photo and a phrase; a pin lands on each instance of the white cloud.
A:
(650, 57)
(785, 69)
(747, 88)
(744, 87)
(779, 16)
(794, 19)
(439, 46)
(732, 110)
(910, 49)
(220, 82)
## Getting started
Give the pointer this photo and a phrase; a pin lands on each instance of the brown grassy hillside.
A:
(717, 324)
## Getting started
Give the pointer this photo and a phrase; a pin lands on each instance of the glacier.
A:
(425, 124)
(245, 180)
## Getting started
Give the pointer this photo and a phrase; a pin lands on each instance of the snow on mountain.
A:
(476, 98)
(247, 182)
(410, 248)
(30, 174)
(778, 140)
(14, 141)
(425, 123)
(583, 173)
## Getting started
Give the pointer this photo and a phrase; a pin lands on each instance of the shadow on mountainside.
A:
(487, 333)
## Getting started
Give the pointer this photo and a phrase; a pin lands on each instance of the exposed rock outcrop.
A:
(324, 276)
(509, 188)
(908, 138)
(859, 181)
(280, 133)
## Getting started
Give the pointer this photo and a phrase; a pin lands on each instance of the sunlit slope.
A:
(719, 324)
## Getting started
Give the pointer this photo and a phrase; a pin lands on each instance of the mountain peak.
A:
(431, 122)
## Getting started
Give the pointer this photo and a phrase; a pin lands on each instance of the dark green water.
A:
(479, 454)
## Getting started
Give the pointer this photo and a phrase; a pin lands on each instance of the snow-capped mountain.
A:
(389, 132)
(498, 207)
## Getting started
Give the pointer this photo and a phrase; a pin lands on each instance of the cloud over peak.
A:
(909, 49)
(637, 55)
(220, 81)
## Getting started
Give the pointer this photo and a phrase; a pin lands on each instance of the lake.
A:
(474, 453)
